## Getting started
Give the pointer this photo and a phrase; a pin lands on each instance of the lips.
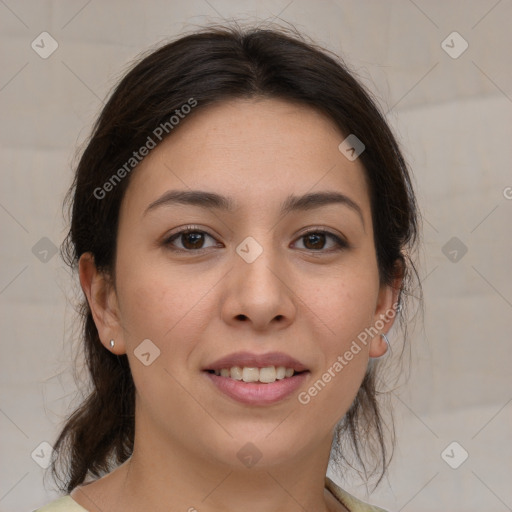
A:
(256, 393)
(257, 379)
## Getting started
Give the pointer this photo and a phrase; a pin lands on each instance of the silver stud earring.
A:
(112, 343)
(388, 347)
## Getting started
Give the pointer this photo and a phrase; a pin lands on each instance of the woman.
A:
(240, 223)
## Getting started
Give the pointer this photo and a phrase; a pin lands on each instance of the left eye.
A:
(316, 241)
(190, 240)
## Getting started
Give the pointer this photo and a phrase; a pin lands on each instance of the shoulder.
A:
(349, 501)
(64, 504)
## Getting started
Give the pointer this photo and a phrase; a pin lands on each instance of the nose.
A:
(259, 293)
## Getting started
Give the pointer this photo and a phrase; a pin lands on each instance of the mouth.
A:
(254, 379)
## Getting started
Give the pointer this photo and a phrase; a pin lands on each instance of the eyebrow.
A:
(292, 203)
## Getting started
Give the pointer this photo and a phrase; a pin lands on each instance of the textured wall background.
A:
(452, 110)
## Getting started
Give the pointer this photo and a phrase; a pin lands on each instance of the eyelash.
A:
(341, 244)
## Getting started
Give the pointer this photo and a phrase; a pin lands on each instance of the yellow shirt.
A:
(68, 504)
(350, 502)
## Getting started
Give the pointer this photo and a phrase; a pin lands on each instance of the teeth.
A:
(280, 372)
(234, 373)
(250, 374)
(266, 375)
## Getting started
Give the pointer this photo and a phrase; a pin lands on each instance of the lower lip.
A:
(257, 393)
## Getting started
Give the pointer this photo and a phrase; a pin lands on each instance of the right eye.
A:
(191, 239)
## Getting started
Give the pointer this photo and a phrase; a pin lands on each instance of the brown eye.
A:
(314, 241)
(193, 240)
(318, 240)
(189, 240)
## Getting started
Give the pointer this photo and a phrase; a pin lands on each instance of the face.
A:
(249, 270)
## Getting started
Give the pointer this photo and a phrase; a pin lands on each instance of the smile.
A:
(254, 391)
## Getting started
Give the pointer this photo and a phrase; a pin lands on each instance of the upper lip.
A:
(251, 360)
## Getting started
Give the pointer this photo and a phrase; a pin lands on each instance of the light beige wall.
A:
(454, 119)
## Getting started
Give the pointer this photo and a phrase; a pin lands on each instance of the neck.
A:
(158, 480)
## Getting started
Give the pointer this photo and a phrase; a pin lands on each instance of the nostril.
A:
(241, 317)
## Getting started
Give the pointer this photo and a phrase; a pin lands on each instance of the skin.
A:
(309, 301)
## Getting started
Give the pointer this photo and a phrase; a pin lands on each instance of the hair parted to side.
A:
(212, 65)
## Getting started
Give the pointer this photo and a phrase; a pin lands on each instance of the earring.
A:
(386, 340)
(112, 343)
(388, 346)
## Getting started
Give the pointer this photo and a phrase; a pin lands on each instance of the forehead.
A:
(254, 150)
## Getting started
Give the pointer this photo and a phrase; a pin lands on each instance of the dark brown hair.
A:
(210, 66)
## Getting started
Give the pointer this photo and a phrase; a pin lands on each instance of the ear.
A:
(385, 314)
(102, 300)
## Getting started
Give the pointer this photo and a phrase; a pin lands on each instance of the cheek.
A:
(161, 304)
(344, 358)
(169, 309)
(344, 304)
